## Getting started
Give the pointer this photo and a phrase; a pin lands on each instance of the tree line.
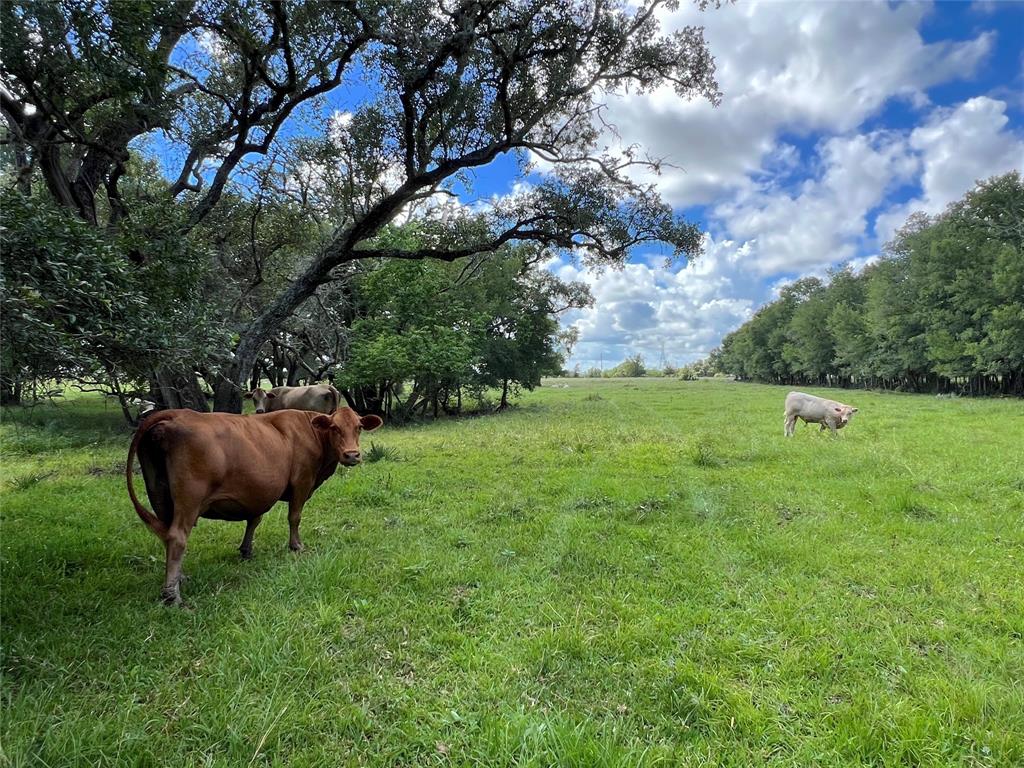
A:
(941, 311)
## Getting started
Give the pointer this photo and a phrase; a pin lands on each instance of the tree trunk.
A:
(227, 393)
(10, 390)
(411, 403)
(504, 395)
(180, 389)
(350, 400)
(262, 328)
(255, 376)
(122, 399)
(23, 166)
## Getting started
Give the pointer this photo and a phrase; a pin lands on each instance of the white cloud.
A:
(984, 6)
(955, 148)
(646, 309)
(786, 67)
(958, 145)
(824, 221)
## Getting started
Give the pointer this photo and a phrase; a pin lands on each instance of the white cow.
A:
(315, 397)
(817, 410)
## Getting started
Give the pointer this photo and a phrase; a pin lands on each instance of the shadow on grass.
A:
(49, 427)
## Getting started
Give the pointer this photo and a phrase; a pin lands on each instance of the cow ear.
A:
(271, 395)
(322, 422)
(249, 395)
(371, 422)
(854, 410)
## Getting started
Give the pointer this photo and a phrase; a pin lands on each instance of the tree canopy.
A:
(942, 310)
(346, 116)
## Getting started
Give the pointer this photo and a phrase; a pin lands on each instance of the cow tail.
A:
(156, 525)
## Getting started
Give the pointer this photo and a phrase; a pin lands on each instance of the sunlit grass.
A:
(616, 573)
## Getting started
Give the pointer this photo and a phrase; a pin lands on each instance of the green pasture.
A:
(616, 572)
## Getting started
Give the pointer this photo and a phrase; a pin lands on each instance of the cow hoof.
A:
(295, 547)
(170, 597)
(246, 554)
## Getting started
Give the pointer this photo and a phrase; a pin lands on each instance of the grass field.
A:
(615, 573)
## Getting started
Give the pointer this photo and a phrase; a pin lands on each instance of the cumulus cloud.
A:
(955, 148)
(824, 221)
(655, 312)
(821, 67)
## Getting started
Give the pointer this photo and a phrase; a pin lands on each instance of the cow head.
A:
(843, 414)
(260, 399)
(342, 430)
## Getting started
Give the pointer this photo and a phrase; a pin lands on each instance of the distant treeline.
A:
(634, 367)
(942, 310)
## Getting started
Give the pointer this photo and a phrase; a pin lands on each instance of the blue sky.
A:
(838, 121)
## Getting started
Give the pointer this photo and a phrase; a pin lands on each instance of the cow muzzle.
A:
(351, 458)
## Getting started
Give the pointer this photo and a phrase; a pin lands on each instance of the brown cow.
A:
(231, 467)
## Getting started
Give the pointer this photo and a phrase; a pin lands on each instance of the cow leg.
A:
(790, 426)
(294, 518)
(246, 546)
(177, 538)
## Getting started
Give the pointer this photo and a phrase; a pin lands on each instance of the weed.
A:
(650, 507)
(912, 507)
(590, 502)
(25, 482)
(703, 455)
(510, 511)
(380, 453)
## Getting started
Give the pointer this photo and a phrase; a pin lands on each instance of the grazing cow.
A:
(816, 410)
(231, 467)
(316, 397)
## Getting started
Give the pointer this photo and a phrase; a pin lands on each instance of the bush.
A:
(687, 373)
(631, 367)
